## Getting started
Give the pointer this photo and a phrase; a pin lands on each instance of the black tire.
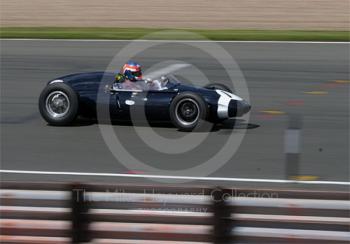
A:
(69, 103)
(185, 121)
(220, 86)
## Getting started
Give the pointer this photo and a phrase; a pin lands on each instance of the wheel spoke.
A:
(57, 104)
(187, 111)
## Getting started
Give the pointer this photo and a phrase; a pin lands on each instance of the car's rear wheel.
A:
(188, 112)
(218, 86)
(58, 104)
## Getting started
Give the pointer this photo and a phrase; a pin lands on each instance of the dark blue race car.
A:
(96, 95)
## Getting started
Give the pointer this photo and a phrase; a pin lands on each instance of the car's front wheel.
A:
(58, 104)
(188, 112)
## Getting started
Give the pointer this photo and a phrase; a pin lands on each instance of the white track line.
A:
(181, 41)
(344, 183)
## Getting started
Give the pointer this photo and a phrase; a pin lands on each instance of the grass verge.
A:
(176, 34)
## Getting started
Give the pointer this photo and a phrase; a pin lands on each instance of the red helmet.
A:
(132, 71)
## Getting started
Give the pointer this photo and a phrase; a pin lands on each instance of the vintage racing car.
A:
(187, 107)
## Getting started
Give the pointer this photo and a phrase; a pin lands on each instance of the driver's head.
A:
(132, 71)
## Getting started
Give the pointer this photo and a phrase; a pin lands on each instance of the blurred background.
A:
(223, 14)
(293, 57)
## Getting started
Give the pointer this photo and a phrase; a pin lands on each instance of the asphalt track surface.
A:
(278, 76)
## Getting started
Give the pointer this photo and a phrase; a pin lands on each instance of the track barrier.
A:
(144, 214)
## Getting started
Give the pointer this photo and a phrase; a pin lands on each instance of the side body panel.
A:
(140, 106)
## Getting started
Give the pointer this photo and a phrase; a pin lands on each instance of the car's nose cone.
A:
(238, 108)
(243, 107)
